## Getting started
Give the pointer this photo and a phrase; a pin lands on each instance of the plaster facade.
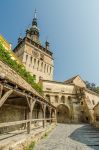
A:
(74, 102)
(72, 96)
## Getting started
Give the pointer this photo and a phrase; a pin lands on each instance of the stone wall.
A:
(61, 94)
(11, 114)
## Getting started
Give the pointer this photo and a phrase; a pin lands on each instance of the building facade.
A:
(37, 59)
(74, 102)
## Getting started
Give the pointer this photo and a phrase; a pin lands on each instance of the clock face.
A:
(42, 56)
(35, 54)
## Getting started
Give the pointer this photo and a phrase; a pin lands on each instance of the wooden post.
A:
(29, 123)
(1, 90)
(44, 111)
(55, 116)
(31, 103)
(50, 115)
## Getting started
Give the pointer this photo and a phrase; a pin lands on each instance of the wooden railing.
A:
(28, 123)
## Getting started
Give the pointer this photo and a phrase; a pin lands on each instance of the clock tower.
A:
(37, 59)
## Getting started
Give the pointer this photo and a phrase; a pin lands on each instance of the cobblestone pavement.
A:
(71, 137)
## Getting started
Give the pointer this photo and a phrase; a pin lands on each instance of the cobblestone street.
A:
(71, 137)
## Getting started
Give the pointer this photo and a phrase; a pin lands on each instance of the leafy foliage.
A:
(97, 89)
(19, 68)
(92, 86)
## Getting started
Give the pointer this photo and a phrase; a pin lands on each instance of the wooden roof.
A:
(15, 78)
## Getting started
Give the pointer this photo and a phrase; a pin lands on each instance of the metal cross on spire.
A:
(35, 14)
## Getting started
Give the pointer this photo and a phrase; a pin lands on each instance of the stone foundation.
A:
(28, 139)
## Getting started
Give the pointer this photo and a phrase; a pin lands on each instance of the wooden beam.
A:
(14, 123)
(6, 124)
(30, 102)
(50, 115)
(1, 90)
(27, 99)
(5, 96)
(15, 106)
(33, 103)
(29, 96)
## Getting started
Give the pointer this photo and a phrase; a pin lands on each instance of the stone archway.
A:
(63, 114)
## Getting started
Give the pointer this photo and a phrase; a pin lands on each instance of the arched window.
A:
(38, 63)
(56, 99)
(50, 70)
(42, 66)
(48, 98)
(26, 57)
(34, 76)
(30, 60)
(45, 68)
(93, 102)
(63, 99)
(34, 62)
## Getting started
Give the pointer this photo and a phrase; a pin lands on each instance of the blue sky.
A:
(71, 26)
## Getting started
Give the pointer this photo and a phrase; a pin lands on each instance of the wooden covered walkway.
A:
(22, 108)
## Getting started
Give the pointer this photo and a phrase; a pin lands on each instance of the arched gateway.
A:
(63, 114)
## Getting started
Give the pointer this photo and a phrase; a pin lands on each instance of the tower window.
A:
(50, 70)
(34, 76)
(34, 62)
(42, 66)
(31, 60)
(93, 102)
(56, 99)
(45, 68)
(38, 64)
(26, 57)
(63, 99)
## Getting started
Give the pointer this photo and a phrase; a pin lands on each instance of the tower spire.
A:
(34, 22)
(35, 14)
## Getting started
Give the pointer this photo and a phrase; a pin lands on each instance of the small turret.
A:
(19, 39)
(47, 45)
(28, 32)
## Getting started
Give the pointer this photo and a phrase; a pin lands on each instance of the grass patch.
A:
(46, 134)
(30, 147)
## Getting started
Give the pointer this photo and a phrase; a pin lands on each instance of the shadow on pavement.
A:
(87, 135)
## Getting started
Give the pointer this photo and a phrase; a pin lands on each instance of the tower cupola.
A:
(34, 30)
